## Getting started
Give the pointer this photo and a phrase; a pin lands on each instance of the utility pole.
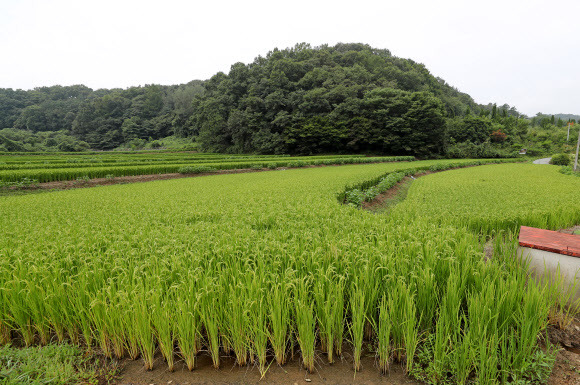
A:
(577, 148)
(568, 137)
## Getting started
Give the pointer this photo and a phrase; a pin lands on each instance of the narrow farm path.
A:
(542, 161)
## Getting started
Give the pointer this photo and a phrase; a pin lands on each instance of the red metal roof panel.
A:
(553, 241)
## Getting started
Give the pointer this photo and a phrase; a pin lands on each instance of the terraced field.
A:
(49, 168)
(261, 265)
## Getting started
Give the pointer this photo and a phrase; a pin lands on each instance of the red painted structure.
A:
(553, 241)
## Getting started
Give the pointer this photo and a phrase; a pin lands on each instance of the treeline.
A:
(558, 120)
(103, 119)
(349, 98)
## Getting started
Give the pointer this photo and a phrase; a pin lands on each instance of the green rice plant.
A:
(279, 319)
(531, 318)
(329, 311)
(144, 332)
(427, 297)
(211, 318)
(99, 319)
(384, 335)
(188, 323)
(80, 305)
(463, 356)
(305, 322)
(128, 319)
(237, 321)
(487, 371)
(167, 265)
(410, 330)
(38, 312)
(195, 169)
(19, 313)
(560, 292)
(358, 321)
(163, 324)
(258, 323)
(338, 314)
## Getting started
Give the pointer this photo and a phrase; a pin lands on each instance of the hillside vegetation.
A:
(348, 98)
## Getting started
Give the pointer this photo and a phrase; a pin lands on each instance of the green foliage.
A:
(483, 150)
(568, 170)
(561, 160)
(471, 128)
(51, 364)
(103, 118)
(346, 98)
(355, 197)
(13, 140)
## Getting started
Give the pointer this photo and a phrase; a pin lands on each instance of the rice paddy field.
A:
(262, 266)
(70, 166)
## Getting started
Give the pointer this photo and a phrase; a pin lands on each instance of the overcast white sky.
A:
(525, 53)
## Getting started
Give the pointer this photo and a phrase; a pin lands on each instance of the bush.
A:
(155, 144)
(484, 150)
(568, 170)
(272, 166)
(355, 197)
(561, 160)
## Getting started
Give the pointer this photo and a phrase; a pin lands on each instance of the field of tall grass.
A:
(261, 266)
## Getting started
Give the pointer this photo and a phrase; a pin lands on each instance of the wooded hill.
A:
(345, 98)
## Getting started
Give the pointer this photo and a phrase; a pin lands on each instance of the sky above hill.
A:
(524, 53)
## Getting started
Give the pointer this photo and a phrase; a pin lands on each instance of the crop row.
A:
(263, 266)
(368, 190)
(496, 198)
(62, 174)
(161, 161)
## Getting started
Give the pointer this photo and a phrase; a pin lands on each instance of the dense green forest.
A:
(300, 100)
(102, 119)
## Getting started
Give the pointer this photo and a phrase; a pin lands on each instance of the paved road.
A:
(542, 161)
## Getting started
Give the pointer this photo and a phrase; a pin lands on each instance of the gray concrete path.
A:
(542, 161)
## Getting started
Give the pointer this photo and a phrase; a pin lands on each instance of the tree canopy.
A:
(349, 98)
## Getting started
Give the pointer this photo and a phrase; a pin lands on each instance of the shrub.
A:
(355, 197)
(272, 166)
(561, 160)
(568, 170)
(371, 193)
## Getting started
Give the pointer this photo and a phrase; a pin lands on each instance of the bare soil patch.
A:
(571, 230)
(386, 199)
(567, 366)
(340, 372)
